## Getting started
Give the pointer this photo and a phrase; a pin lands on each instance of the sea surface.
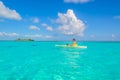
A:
(44, 61)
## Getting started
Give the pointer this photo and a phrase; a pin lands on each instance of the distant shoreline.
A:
(56, 41)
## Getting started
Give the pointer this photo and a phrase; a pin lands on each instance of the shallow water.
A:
(44, 61)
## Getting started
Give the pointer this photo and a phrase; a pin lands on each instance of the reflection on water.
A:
(71, 63)
(71, 59)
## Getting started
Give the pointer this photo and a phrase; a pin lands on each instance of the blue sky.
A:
(60, 19)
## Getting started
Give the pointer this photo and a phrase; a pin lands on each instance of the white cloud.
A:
(34, 36)
(44, 25)
(49, 28)
(48, 36)
(77, 1)
(35, 20)
(3, 34)
(32, 27)
(117, 17)
(69, 24)
(38, 36)
(7, 13)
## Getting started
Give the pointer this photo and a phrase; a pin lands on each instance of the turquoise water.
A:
(44, 61)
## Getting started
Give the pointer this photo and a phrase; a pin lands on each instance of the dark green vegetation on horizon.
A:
(20, 39)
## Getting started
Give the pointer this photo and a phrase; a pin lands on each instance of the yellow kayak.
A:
(68, 46)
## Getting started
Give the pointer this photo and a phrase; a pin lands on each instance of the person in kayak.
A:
(74, 42)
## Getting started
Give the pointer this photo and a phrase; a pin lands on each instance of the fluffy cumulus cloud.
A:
(77, 1)
(4, 34)
(7, 13)
(49, 28)
(32, 27)
(69, 24)
(35, 20)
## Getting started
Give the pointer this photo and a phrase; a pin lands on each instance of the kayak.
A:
(68, 46)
